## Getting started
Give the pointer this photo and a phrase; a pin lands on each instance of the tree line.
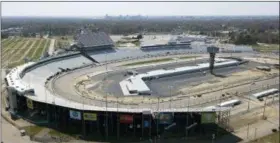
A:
(242, 30)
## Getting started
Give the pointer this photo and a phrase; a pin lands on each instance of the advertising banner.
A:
(208, 117)
(75, 114)
(90, 116)
(29, 103)
(127, 119)
(146, 124)
(164, 118)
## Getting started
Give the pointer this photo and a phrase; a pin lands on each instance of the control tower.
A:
(212, 50)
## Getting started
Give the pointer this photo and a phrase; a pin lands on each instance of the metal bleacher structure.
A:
(94, 40)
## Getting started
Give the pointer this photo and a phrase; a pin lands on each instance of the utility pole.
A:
(106, 98)
(219, 114)
(256, 133)
(158, 112)
(142, 124)
(170, 99)
(118, 122)
(264, 108)
(267, 86)
(84, 127)
(187, 118)
(249, 99)
(106, 117)
(248, 131)
(106, 61)
(213, 138)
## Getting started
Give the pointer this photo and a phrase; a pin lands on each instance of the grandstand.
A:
(93, 40)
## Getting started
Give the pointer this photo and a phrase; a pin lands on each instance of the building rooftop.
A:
(165, 39)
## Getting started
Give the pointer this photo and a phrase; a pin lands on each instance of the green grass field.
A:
(158, 61)
(62, 42)
(7, 43)
(17, 54)
(188, 57)
(272, 138)
(14, 50)
(42, 48)
(14, 43)
(33, 48)
(33, 130)
(266, 48)
(149, 62)
(39, 48)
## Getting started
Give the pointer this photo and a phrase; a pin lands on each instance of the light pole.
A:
(248, 131)
(249, 99)
(264, 108)
(170, 99)
(118, 134)
(158, 112)
(106, 117)
(213, 138)
(187, 117)
(84, 128)
(106, 61)
(256, 132)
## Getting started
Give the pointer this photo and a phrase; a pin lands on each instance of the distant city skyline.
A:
(99, 9)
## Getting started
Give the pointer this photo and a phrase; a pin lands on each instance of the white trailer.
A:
(265, 93)
(229, 103)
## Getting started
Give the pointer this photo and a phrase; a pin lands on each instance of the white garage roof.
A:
(137, 84)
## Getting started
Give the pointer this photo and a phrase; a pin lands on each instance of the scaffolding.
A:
(224, 119)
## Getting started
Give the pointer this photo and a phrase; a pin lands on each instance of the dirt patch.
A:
(235, 78)
(238, 122)
(213, 81)
(272, 138)
(264, 60)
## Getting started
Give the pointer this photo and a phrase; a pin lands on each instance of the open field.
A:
(62, 41)
(272, 138)
(266, 47)
(15, 49)
(43, 47)
(149, 62)
(33, 130)
(188, 57)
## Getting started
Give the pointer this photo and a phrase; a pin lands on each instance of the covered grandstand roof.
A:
(88, 38)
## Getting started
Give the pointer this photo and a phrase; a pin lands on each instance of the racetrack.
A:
(112, 78)
(61, 89)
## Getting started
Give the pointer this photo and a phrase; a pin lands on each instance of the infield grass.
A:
(149, 62)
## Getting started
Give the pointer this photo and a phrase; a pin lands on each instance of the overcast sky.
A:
(89, 9)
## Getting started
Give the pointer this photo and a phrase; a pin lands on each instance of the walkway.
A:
(51, 47)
